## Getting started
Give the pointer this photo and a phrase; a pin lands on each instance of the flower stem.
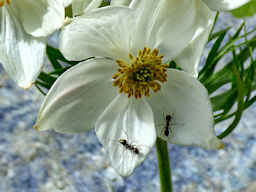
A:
(164, 165)
(68, 11)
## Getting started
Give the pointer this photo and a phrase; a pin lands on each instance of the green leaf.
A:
(218, 33)
(224, 101)
(214, 81)
(240, 98)
(247, 10)
(43, 84)
(53, 61)
(60, 71)
(57, 55)
(46, 78)
(39, 88)
(210, 64)
(105, 3)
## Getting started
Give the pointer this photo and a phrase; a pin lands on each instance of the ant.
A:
(130, 147)
(168, 119)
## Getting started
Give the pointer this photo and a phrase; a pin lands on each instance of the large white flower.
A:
(24, 26)
(128, 95)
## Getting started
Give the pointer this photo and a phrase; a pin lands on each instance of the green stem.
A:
(68, 11)
(164, 165)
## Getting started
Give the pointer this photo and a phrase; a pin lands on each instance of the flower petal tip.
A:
(67, 21)
(216, 144)
(36, 127)
(26, 87)
(221, 146)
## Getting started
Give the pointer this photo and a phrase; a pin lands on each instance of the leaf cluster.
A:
(230, 87)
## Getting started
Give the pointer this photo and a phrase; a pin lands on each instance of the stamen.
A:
(144, 73)
(2, 2)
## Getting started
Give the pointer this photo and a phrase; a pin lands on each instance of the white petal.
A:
(131, 120)
(225, 5)
(186, 100)
(78, 97)
(120, 2)
(21, 54)
(40, 17)
(67, 2)
(170, 25)
(83, 6)
(102, 32)
(190, 57)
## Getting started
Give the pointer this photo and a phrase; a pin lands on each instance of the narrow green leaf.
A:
(209, 64)
(57, 55)
(43, 84)
(60, 71)
(39, 88)
(240, 99)
(218, 33)
(236, 35)
(55, 64)
(224, 100)
(224, 75)
(47, 78)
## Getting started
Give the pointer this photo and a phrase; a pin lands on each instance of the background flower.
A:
(23, 37)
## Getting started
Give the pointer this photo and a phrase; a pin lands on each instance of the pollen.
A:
(2, 2)
(142, 74)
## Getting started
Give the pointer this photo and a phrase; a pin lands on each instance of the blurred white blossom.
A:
(24, 27)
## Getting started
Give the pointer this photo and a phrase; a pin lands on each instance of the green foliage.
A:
(105, 3)
(236, 78)
(247, 10)
(59, 65)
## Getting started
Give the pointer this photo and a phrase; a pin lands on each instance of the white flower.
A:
(24, 26)
(67, 2)
(128, 94)
(225, 5)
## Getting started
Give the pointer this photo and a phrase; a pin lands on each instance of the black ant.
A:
(168, 119)
(130, 147)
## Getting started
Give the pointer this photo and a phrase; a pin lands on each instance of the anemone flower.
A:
(127, 92)
(24, 27)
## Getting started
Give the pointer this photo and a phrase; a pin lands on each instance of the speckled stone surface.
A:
(33, 161)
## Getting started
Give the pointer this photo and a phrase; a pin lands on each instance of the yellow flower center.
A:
(3, 1)
(141, 74)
